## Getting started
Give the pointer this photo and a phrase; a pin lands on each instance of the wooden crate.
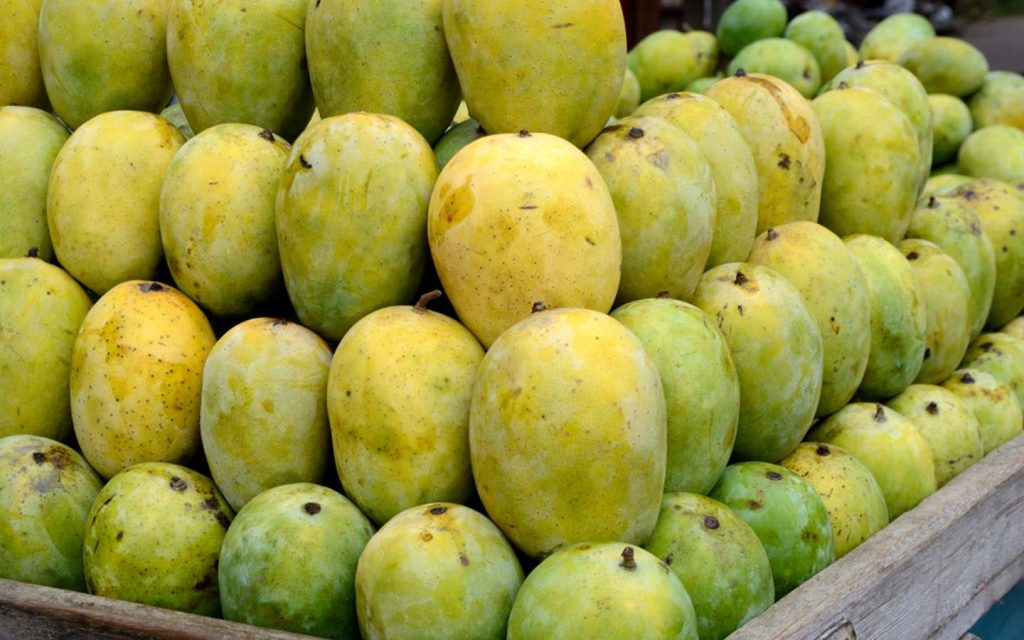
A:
(931, 573)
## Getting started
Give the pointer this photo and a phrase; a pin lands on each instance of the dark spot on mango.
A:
(636, 133)
(590, 241)
(538, 306)
(773, 475)
(741, 73)
(967, 378)
(772, 234)
(304, 163)
(913, 255)
(932, 202)
(986, 346)
(280, 322)
(33, 252)
(860, 64)
(463, 560)
(711, 522)
(563, 25)
(211, 503)
(39, 457)
(670, 558)
(267, 135)
(120, 536)
(808, 535)
(754, 505)
(205, 583)
(741, 279)
(523, 133)
(879, 413)
(438, 510)
(663, 294)
(739, 308)
(178, 484)
(426, 536)
(312, 508)
(223, 520)
(672, 96)
(784, 161)
(149, 287)
(932, 409)
(628, 559)
(927, 353)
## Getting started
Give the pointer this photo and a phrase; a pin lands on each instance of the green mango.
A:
(992, 402)
(888, 39)
(995, 151)
(701, 84)
(629, 95)
(823, 36)
(455, 138)
(746, 21)
(942, 183)
(946, 65)
(852, 55)
(1000, 100)
(781, 58)
(706, 45)
(1001, 355)
(663, 62)
(21, 79)
(951, 124)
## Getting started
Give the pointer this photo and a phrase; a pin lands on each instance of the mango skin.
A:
(29, 142)
(455, 138)
(288, 561)
(240, 62)
(41, 309)
(437, 566)
(946, 65)
(544, 92)
(21, 79)
(783, 59)
(217, 223)
(136, 376)
(872, 174)
(951, 124)
(769, 328)
(732, 166)
(995, 151)
(263, 412)
(888, 39)
(46, 490)
(898, 318)
(399, 414)
(702, 389)
(855, 503)
(518, 219)
(717, 557)
(409, 74)
(664, 61)
(629, 95)
(820, 34)
(103, 201)
(365, 247)
(535, 432)
(747, 21)
(104, 56)
(942, 183)
(665, 197)
(153, 536)
(1000, 100)
(992, 402)
(1014, 327)
(1001, 355)
(786, 141)
(589, 591)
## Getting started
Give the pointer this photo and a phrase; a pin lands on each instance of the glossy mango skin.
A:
(557, 391)
(993, 403)
(507, 91)
(21, 79)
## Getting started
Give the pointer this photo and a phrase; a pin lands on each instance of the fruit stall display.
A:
(457, 319)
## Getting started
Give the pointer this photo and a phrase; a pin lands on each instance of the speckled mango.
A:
(288, 561)
(665, 197)
(21, 79)
(153, 536)
(786, 141)
(436, 570)
(1000, 100)
(46, 491)
(520, 219)
(263, 412)
(105, 55)
(103, 201)
(995, 151)
(769, 328)
(544, 91)
(946, 65)
(780, 58)
(823, 36)
(992, 402)
(557, 392)
(240, 62)
(217, 218)
(888, 39)
(364, 247)
(136, 376)
(1001, 355)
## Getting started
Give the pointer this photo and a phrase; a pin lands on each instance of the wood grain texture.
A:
(930, 574)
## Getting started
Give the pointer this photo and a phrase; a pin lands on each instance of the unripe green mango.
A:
(153, 536)
(873, 170)
(817, 263)
(746, 21)
(665, 197)
(1001, 355)
(951, 124)
(41, 309)
(455, 138)
(947, 299)
(898, 317)
(136, 376)
(946, 65)
(889, 445)
(21, 79)
(706, 45)
(701, 84)
(702, 390)
(556, 392)
(717, 557)
(1000, 100)
(399, 410)
(408, 74)
(103, 201)
(769, 328)
(436, 569)
(598, 591)
(263, 412)
(629, 95)
(786, 141)
(520, 219)
(823, 36)
(995, 151)
(956, 229)
(288, 561)
(783, 59)
(364, 247)
(947, 424)
(46, 490)
(217, 218)
(664, 61)
(992, 402)
(235, 61)
(105, 55)
(852, 55)
(732, 166)
(888, 39)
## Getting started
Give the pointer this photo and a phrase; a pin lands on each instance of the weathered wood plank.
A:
(930, 574)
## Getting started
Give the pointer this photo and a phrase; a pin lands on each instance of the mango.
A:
(629, 95)
(41, 309)
(769, 328)
(556, 392)
(106, 55)
(46, 490)
(951, 124)
(717, 557)
(1014, 327)
(217, 218)
(852, 55)
(888, 39)
(786, 141)
(873, 169)
(543, 92)
(136, 376)
(288, 561)
(174, 114)
(783, 59)
(153, 536)
(21, 79)
(701, 84)
(822, 35)
(663, 62)
(942, 183)
(437, 568)
(1000, 100)
(365, 247)
(1001, 355)
(946, 65)
(992, 402)
(995, 151)
(521, 219)
(263, 410)
(103, 201)
(455, 138)
(746, 21)
(597, 590)
(706, 45)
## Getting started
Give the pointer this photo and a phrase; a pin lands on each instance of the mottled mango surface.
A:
(992, 402)
(1001, 355)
